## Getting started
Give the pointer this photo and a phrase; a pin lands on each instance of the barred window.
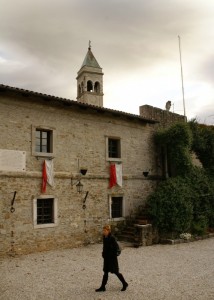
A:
(45, 211)
(117, 207)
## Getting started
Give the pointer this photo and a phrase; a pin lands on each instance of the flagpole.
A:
(179, 42)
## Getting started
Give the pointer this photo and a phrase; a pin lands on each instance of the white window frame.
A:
(55, 204)
(123, 207)
(53, 141)
(114, 159)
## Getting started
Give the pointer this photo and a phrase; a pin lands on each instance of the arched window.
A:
(97, 87)
(89, 86)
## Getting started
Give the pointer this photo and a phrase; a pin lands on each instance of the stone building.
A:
(73, 145)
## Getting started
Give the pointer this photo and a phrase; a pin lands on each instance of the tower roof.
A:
(90, 60)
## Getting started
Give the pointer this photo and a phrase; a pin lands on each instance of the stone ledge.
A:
(143, 226)
(180, 241)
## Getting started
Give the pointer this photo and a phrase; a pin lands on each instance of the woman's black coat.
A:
(109, 254)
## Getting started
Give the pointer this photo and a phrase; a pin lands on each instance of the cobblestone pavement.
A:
(167, 272)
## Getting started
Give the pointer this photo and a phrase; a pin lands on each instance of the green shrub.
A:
(199, 225)
(202, 195)
(170, 207)
(185, 202)
(203, 144)
(176, 141)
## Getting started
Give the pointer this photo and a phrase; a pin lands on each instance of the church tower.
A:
(90, 81)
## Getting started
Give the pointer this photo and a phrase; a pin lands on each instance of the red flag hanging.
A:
(113, 178)
(44, 177)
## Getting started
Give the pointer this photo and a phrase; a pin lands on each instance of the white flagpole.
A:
(179, 41)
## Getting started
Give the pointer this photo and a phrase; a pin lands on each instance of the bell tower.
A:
(90, 81)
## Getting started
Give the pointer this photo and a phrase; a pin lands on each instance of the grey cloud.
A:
(206, 69)
(206, 114)
(49, 38)
(45, 29)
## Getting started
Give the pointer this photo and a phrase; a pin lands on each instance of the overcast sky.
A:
(44, 42)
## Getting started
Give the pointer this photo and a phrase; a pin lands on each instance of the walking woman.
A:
(110, 248)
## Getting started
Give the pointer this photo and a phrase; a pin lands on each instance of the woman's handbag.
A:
(119, 249)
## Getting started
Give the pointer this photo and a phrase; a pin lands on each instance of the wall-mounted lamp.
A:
(79, 187)
(78, 183)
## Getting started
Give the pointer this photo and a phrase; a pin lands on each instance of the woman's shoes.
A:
(125, 285)
(101, 289)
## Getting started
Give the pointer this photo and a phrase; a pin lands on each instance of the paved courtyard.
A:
(167, 272)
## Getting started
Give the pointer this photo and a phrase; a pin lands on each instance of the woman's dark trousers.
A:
(105, 280)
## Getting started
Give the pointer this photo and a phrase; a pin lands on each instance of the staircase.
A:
(127, 234)
(137, 231)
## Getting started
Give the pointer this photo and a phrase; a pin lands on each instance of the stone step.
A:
(131, 242)
(142, 216)
(129, 230)
(126, 235)
(125, 244)
(142, 221)
(126, 238)
(129, 233)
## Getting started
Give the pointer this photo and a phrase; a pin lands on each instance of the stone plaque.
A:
(12, 160)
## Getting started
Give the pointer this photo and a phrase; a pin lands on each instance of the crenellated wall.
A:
(164, 117)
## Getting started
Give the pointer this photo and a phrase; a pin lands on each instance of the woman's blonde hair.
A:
(107, 227)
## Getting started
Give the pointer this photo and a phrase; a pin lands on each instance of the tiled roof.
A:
(68, 102)
(90, 60)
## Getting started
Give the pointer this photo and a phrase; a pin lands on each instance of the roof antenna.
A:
(179, 42)
(89, 45)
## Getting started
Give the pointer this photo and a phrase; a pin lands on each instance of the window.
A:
(97, 87)
(45, 211)
(89, 86)
(43, 140)
(116, 207)
(114, 148)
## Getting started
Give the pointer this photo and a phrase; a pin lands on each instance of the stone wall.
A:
(80, 141)
(164, 117)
